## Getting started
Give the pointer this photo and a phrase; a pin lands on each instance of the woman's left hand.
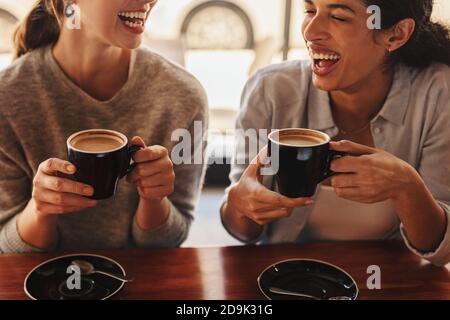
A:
(153, 176)
(369, 175)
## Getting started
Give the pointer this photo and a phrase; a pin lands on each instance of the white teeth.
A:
(321, 56)
(133, 24)
(137, 14)
(134, 15)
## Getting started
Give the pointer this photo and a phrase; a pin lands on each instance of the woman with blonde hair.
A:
(79, 66)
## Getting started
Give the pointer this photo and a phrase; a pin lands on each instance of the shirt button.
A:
(377, 130)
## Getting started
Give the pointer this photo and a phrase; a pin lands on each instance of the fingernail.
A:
(309, 202)
(70, 168)
(92, 202)
(88, 191)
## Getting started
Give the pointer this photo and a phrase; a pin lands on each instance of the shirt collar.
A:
(397, 101)
(320, 116)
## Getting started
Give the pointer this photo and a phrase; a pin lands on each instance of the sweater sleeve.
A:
(15, 192)
(189, 178)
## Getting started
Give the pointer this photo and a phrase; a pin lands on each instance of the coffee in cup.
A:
(97, 143)
(102, 157)
(304, 157)
(299, 140)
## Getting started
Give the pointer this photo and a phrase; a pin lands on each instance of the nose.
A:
(315, 28)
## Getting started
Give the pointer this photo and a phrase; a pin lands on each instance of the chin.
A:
(324, 84)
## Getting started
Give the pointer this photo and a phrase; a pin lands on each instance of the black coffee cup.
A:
(303, 158)
(102, 157)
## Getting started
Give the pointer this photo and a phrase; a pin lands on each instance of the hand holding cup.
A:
(253, 200)
(55, 195)
(153, 175)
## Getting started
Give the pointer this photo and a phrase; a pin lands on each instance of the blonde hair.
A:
(40, 27)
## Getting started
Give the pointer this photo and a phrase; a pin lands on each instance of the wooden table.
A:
(231, 272)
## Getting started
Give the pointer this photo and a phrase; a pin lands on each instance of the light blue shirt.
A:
(413, 124)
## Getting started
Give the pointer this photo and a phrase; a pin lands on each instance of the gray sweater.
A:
(40, 107)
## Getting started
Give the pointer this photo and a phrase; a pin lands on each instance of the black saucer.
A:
(311, 279)
(48, 281)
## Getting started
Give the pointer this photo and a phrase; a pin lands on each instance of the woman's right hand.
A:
(54, 195)
(252, 199)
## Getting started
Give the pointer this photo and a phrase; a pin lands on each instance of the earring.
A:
(69, 10)
(73, 15)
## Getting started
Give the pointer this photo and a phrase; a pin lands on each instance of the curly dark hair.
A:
(430, 41)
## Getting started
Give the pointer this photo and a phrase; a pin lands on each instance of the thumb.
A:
(352, 148)
(259, 161)
(138, 141)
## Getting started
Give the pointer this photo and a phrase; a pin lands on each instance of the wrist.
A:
(229, 212)
(232, 215)
(152, 213)
(233, 196)
(37, 230)
(412, 184)
(154, 203)
(39, 217)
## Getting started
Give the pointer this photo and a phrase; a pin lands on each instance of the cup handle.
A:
(332, 155)
(130, 167)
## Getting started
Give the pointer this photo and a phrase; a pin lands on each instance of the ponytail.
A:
(39, 28)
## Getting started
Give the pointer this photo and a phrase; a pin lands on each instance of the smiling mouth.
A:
(134, 19)
(324, 61)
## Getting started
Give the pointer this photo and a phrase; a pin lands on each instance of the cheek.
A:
(363, 46)
(100, 16)
(366, 56)
(103, 26)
